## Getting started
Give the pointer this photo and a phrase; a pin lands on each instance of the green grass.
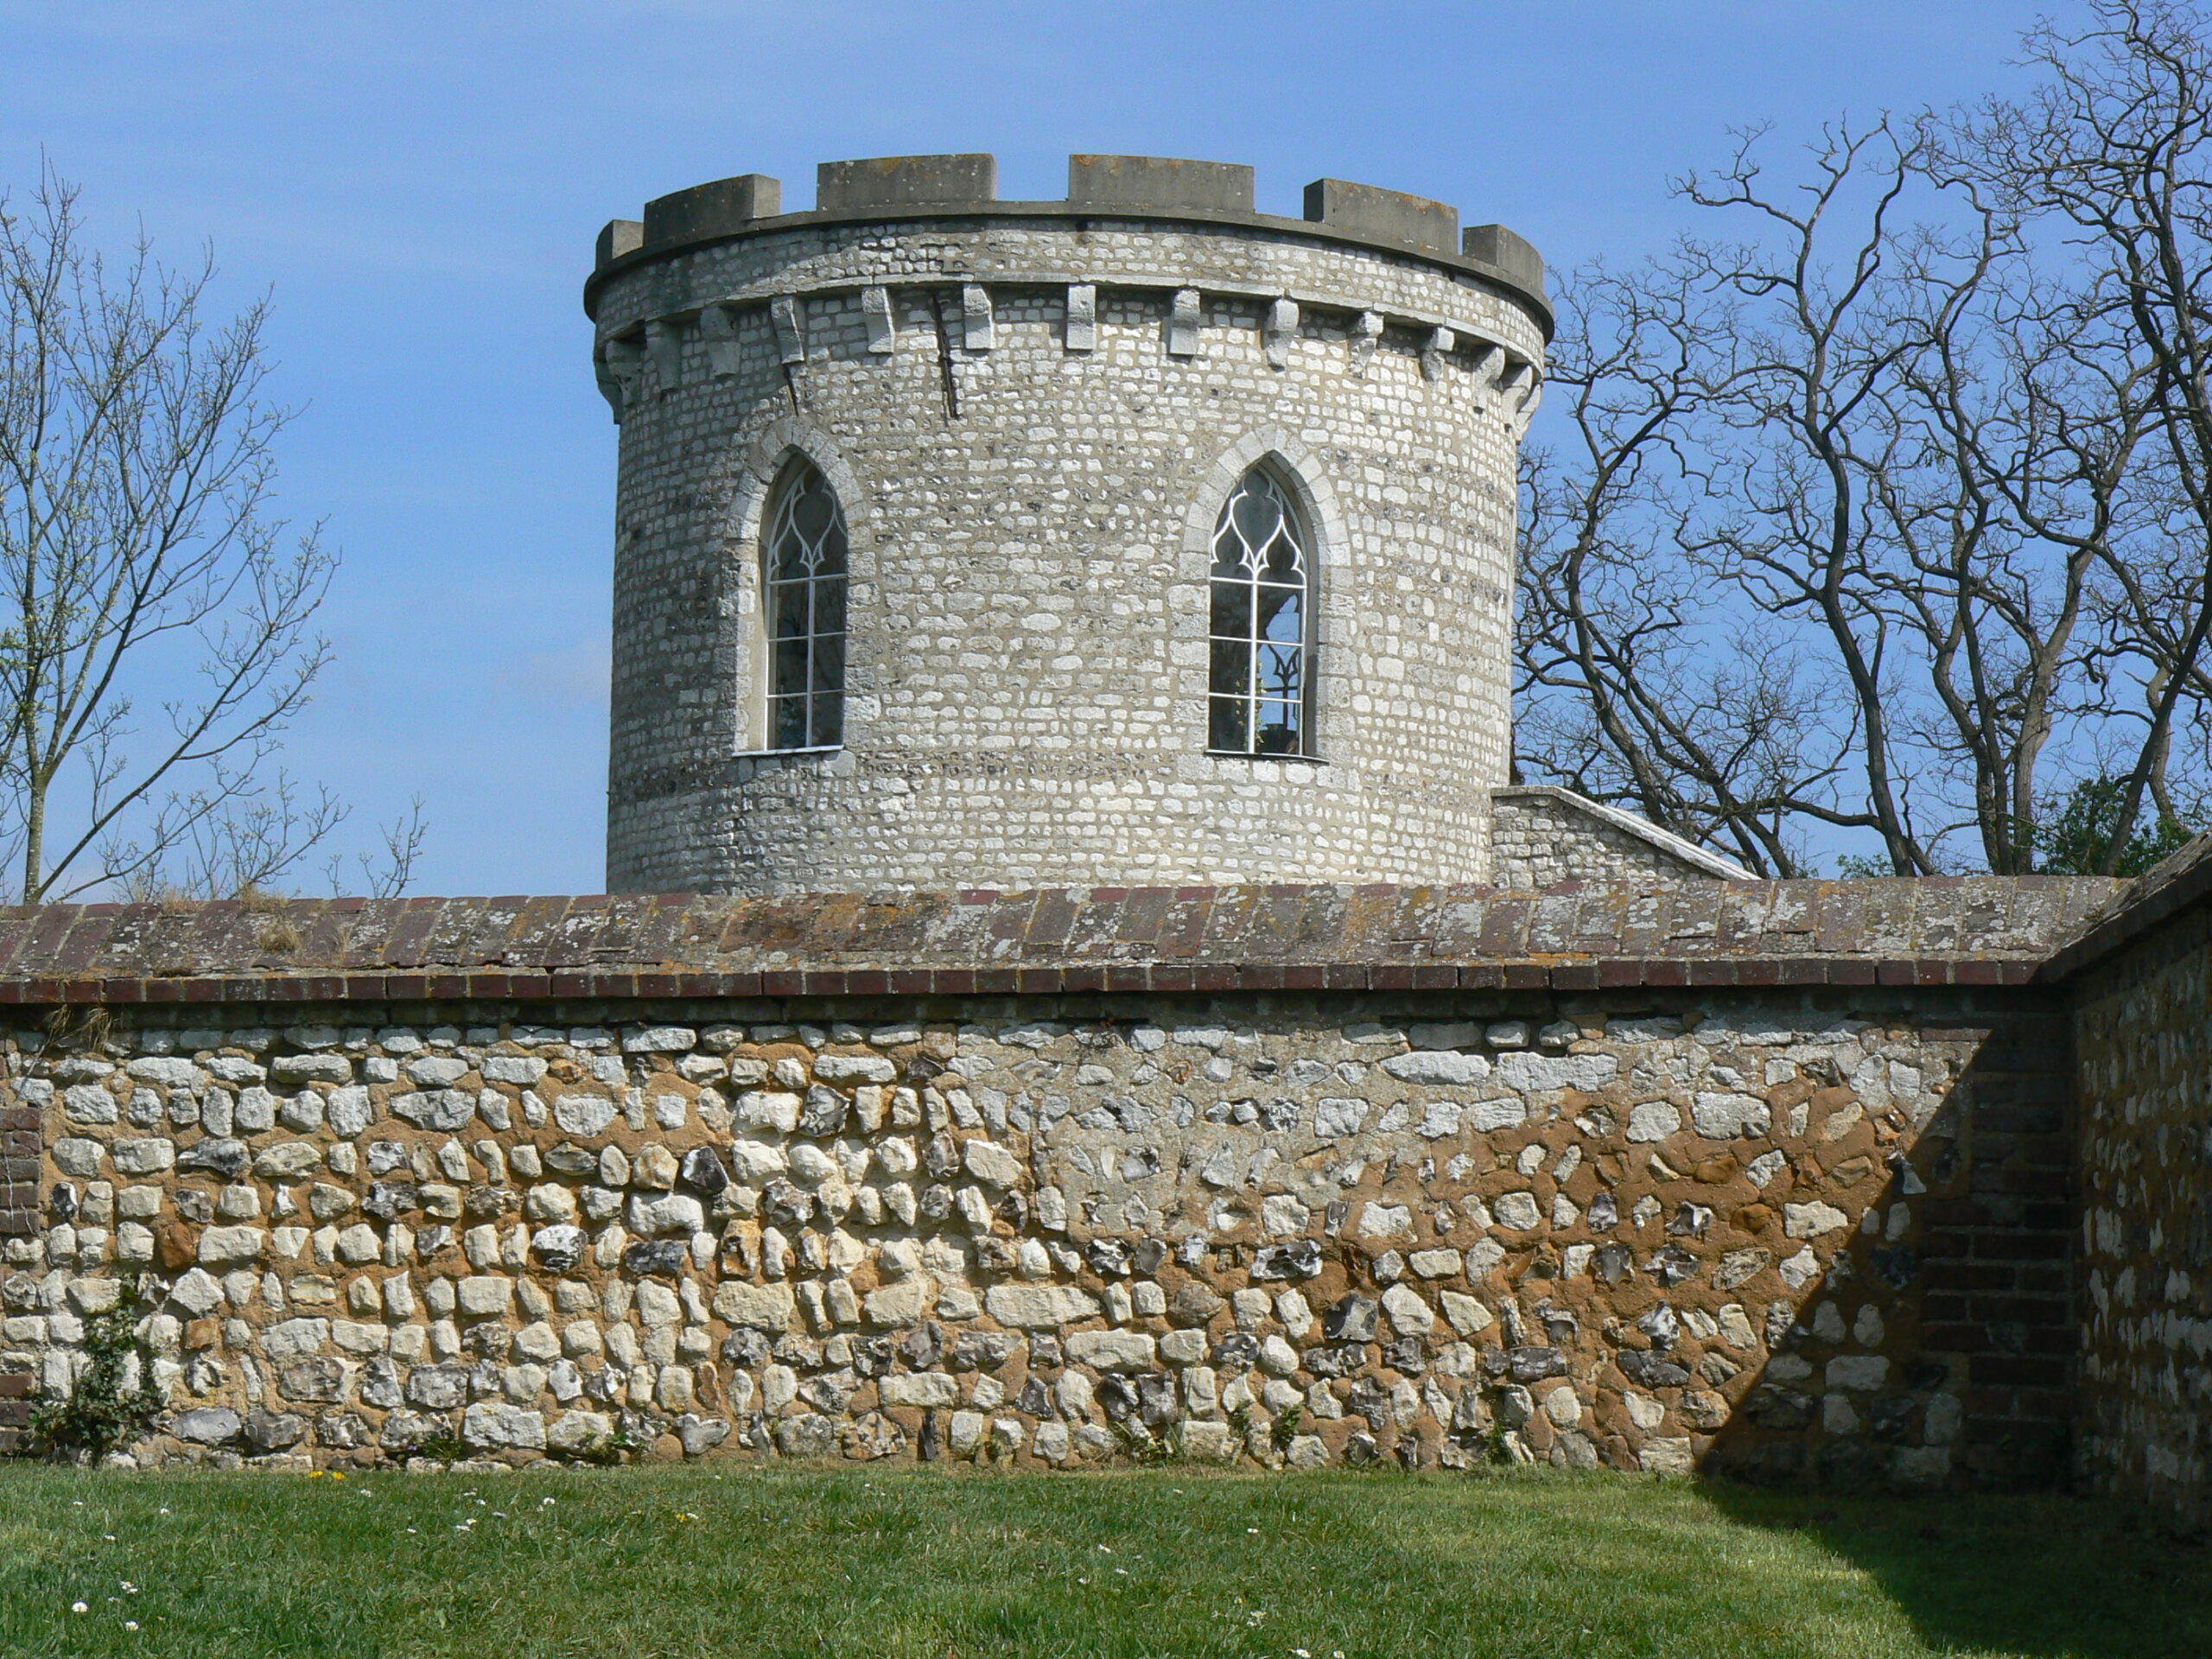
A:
(626, 1564)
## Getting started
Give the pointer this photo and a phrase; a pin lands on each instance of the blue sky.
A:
(420, 184)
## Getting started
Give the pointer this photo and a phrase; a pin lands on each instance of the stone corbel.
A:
(1082, 332)
(978, 329)
(882, 327)
(788, 320)
(664, 345)
(617, 364)
(1183, 324)
(1435, 351)
(1366, 335)
(1531, 382)
(718, 329)
(1281, 329)
(1489, 366)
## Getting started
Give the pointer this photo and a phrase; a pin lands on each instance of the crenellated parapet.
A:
(640, 349)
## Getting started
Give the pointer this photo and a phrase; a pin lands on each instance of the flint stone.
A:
(809, 1436)
(229, 1245)
(665, 1213)
(288, 1161)
(1408, 1314)
(437, 1109)
(700, 1435)
(558, 1248)
(582, 1114)
(320, 1380)
(991, 1163)
(311, 1068)
(565, 1159)
(1031, 1307)
(1517, 1211)
(703, 1171)
(926, 1390)
(1651, 1368)
(1529, 1072)
(224, 1157)
(1811, 1220)
(1299, 1259)
(1112, 1350)
(1437, 1066)
(1532, 1363)
(482, 1294)
(854, 1068)
(1722, 1117)
(656, 1258)
(493, 1426)
(1351, 1320)
(274, 1431)
(761, 1308)
(579, 1431)
(208, 1424)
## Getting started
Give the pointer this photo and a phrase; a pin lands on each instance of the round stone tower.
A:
(1134, 540)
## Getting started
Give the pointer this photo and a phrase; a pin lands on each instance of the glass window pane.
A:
(1229, 557)
(787, 722)
(1282, 612)
(787, 561)
(787, 615)
(830, 718)
(830, 557)
(829, 604)
(1226, 725)
(1230, 667)
(789, 676)
(1279, 672)
(1278, 728)
(1258, 512)
(1232, 611)
(812, 506)
(830, 662)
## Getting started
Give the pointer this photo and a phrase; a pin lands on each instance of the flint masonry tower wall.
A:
(1032, 413)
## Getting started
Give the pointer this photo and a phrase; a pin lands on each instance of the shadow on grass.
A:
(2050, 1577)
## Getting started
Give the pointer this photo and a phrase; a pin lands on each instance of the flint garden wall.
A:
(1137, 1181)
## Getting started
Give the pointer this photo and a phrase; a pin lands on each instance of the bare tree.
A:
(1880, 505)
(2114, 148)
(156, 619)
(1630, 689)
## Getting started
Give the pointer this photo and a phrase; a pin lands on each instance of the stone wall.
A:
(1031, 491)
(2145, 1218)
(1542, 835)
(1756, 1229)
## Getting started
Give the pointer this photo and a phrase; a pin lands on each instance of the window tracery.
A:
(1259, 649)
(804, 561)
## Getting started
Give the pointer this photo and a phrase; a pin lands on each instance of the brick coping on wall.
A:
(1979, 931)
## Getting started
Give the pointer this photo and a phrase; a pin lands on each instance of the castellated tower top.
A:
(1134, 540)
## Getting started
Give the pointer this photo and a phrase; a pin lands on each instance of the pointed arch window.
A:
(1260, 646)
(804, 557)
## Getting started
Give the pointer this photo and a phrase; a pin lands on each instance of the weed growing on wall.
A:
(113, 1396)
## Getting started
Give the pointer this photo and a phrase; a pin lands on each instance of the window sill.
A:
(1244, 755)
(777, 754)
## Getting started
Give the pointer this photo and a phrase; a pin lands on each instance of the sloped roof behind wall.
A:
(2178, 883)
(1943, 930)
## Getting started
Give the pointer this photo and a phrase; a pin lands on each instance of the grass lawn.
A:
(631, 1563)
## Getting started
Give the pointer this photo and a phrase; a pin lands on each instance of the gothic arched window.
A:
(1259, 649)
(803, 560)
